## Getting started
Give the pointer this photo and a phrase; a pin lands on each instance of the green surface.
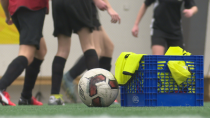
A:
(113, 110)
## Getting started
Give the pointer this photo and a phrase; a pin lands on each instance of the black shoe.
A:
(23, 101)
(32, 101)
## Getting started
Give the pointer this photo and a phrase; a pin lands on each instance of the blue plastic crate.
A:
(153, 85)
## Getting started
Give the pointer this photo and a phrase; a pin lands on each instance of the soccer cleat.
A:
(32, 101)
(5, 98)
(69, 87)
(115, 102)
(56, 99)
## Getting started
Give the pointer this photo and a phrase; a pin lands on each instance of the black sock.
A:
(57, 74)
(91, 59)
(15, 68)
(31, 74)
(105, 63)
(78, 68)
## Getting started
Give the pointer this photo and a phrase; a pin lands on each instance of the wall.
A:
(207, 48)
(192, 36)
(119, 34)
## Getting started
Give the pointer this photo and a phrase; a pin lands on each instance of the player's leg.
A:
(79, 26)
(14, 69)
(59, 62)
(107, 49)
(104, 48)
(33, 69)
(158, 50)
(62, 30)
(28, 45)
(87, 44)
(82, 25)
(158, 45)
(31, 74)
(79, 67)
(57, 69)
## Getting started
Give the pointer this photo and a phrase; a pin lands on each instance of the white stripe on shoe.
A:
(3, 99)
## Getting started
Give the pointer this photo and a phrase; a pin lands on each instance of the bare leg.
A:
(88, 48)
(158, 50)
(106, 45)
(86, 39)
(64, 43)
(27, 51)
(59, 61)
(40, 54)
(31, 74)
(16, 67)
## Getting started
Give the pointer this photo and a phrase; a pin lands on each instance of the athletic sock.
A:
(31, 74)
(91, 59)
(105, 63)
(14, 69)
(57, 74)
(78, 68)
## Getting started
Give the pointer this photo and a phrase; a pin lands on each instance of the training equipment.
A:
(98, 88)
(153, 84)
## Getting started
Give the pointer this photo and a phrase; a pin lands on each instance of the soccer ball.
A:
(98, 88)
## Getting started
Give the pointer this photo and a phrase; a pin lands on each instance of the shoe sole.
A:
(29, 104)
(67, 92)
(4, 104)
(55, 104)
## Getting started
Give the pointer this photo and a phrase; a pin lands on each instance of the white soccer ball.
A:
(98, 88)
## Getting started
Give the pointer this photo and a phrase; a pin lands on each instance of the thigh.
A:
(31, 26)
(97, 39)
(86, 39)
(64, 43)
(107, 45)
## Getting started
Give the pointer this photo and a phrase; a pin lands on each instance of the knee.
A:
(111, 48)
(43, 52)
(63, 52)
(64, 43)
(40, 54)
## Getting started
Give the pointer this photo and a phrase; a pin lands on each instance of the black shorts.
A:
(30, 25)
(96, 22)
(166, 42)
(71, 16)
(165, 39)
